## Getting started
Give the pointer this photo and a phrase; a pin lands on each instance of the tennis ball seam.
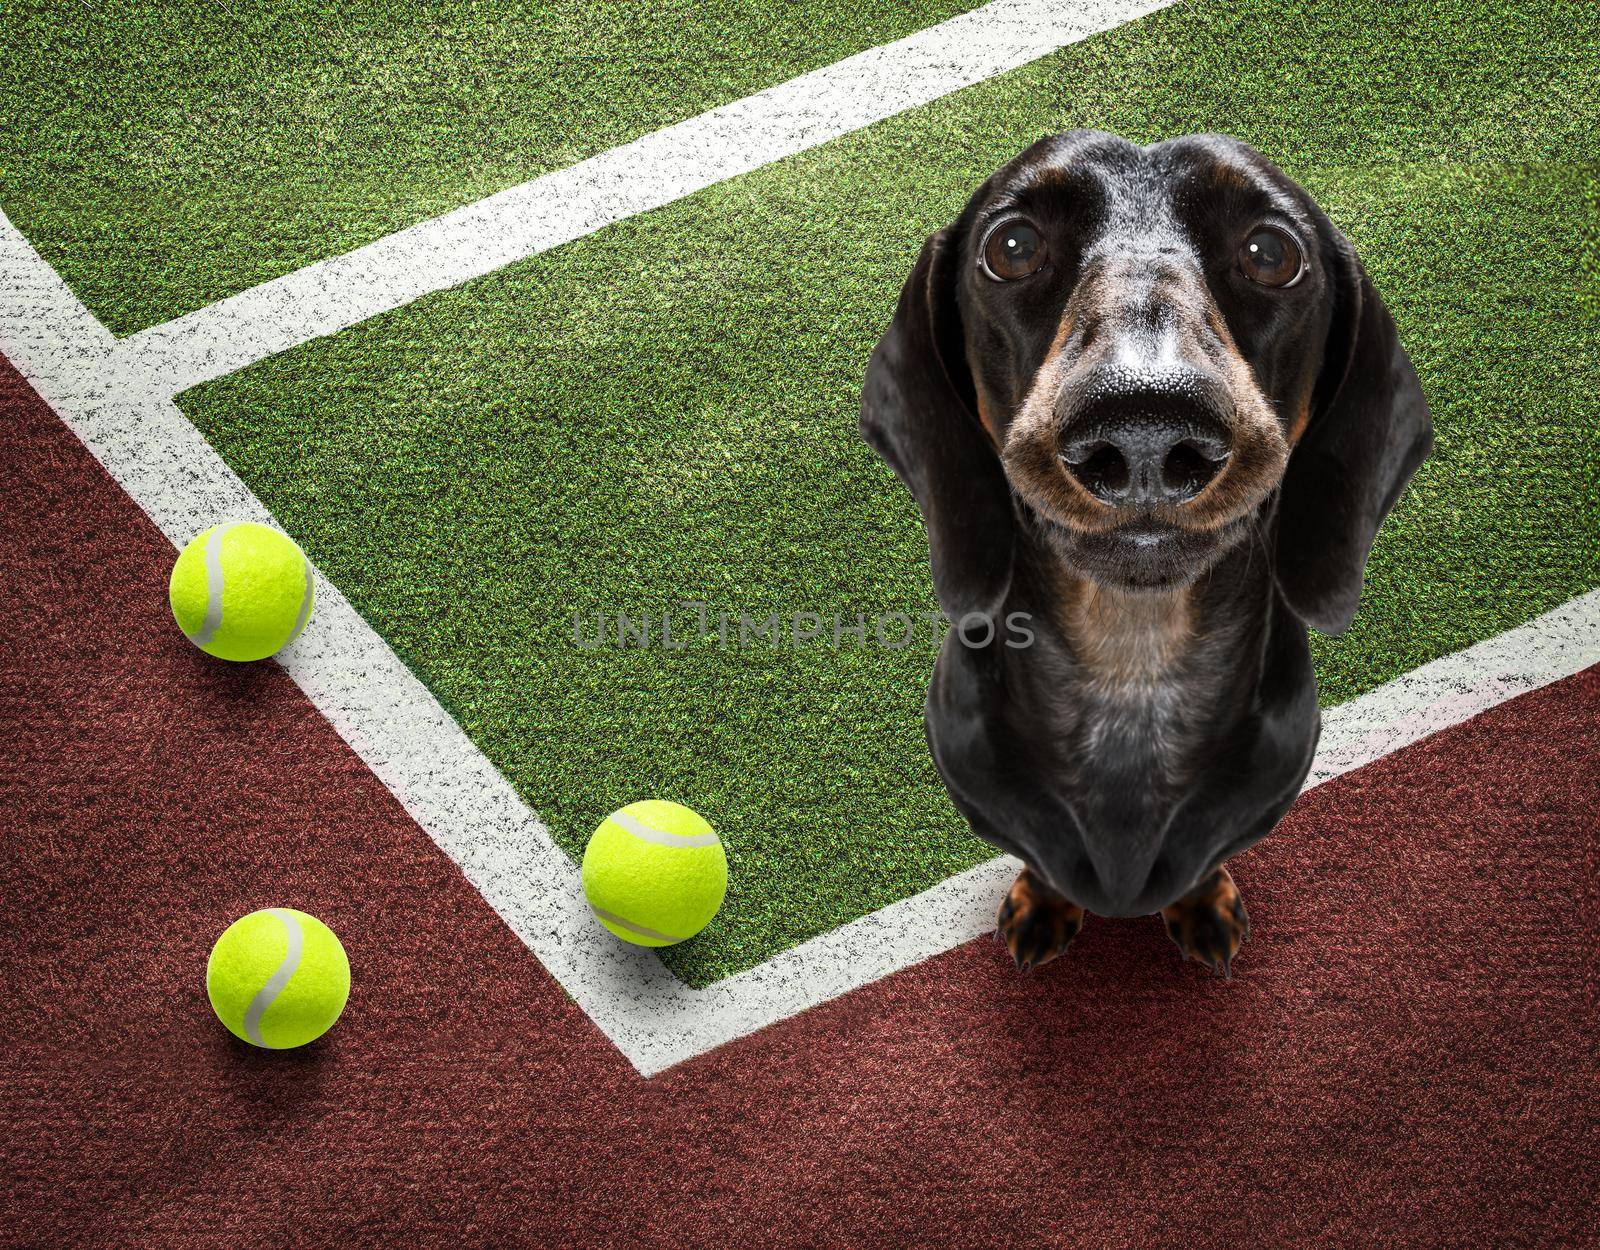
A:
(661, 837)
(212, 620)
(641, 930)
(217, 631)
(274, 985)
(654, 873)
(278, 978)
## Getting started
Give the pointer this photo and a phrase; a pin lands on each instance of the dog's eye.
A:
(1269, 257)
(1013, 249)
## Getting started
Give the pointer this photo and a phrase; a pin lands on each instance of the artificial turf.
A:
(666, 410)
(162, 154)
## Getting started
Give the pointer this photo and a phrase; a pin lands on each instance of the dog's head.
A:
(1143, 346)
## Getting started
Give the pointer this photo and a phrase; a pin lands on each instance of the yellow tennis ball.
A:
(654, 873)
(241, 591)
(278, 978)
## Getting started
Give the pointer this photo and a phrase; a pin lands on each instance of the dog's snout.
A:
(1146, 439)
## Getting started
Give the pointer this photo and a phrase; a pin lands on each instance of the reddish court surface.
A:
(1406, 1055)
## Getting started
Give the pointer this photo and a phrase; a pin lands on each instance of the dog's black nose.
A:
(1145, 464)
(1140, 439)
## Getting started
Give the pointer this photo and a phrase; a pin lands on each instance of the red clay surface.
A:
(1405, 1056)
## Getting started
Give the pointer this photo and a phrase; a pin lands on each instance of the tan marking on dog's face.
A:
(1031, 450)
(1260, 449)
(1230, 177)
(1200, 334)
(988, 413)
(1301, 419)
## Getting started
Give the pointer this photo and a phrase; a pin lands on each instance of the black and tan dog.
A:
(1148, 397)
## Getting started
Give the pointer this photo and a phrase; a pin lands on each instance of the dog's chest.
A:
(1135, 690)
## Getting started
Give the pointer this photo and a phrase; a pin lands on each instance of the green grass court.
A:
(220, 145)
(666, 410)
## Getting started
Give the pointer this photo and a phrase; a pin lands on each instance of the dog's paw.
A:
(1036, 924)
(1210, 924)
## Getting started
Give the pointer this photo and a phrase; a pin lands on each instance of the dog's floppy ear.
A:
(1368, 432)
(918, 412)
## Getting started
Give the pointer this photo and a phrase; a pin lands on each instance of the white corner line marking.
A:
(454, 793)
(622, 182)
(458, 797)
(117, 398)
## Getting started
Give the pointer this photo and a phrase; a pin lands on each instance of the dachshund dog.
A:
(1148, 398)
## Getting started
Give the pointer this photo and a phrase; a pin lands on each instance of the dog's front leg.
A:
(1036, 923)
(1209, 923)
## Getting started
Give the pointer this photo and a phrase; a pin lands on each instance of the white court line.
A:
(657, 169)
(454, 793)
(118, 399)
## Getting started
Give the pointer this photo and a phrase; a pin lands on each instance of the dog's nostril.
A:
(1099, 465)
(1190, 465)
(1144, 463)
